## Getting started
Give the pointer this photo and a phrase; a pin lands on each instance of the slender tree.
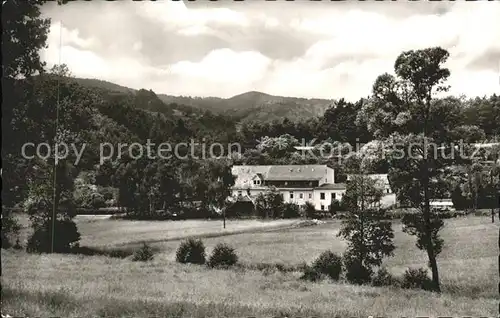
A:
(369, 236)
(404, 110)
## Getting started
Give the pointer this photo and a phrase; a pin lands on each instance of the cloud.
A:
(314, 50)
(66, 46)
(175, 15)
(223, 70)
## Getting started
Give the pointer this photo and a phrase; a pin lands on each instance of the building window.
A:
(322, 195)
(240, 193)
(388, 190)
(301, 195)
(310, 195)
(291, 194)
(334, 196)
(322, 208)
(254, 182)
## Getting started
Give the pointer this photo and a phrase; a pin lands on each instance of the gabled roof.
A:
(245, 174)
(259, 175)
(332, 186)
(281, 172)
(296, 173)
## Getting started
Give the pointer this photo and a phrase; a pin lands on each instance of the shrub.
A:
(356, 273)
(330, 264)
(144, 254)
(291, 211)
(66, 237)
(269, 204)
(416, 279)
(335, 207)
(383, 278)
(308, 210)
(191, 251)
(311, 274)
(223, 255)
(18, 245)
(10, 229)
(302, 267)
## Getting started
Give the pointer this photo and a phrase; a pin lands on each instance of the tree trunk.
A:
(477, 183)
(471, 190)
(427, 211)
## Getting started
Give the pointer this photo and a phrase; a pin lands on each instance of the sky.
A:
(305, 49)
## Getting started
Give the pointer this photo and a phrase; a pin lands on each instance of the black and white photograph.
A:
(279, 159)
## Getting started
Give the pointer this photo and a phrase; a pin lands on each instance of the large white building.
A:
(297, 183)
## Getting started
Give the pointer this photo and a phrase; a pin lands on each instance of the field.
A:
(73, 285)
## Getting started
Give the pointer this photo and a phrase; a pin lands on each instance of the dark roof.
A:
(246, 173)
(296, 172)
(332, 186)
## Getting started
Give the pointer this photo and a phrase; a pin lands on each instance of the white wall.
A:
(328, 198)
(307, 195)
(329, 176)
(388, 200)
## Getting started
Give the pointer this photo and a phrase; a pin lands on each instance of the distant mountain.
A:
(249, 106)
(257, 106)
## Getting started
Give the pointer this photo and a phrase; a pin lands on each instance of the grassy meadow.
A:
(76, 285)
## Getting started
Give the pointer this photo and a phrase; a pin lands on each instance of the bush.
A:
(335, 207)
(416, 279)
(383, 278)
(66, 237)
(291, 211)
(356, 273)
(330, 264)
(311, 274)
(97, 201)
(191, 251)
(18, 245)
(144, 254)
(10, 229)
(308, 210)
(269, 204)
(222, 256)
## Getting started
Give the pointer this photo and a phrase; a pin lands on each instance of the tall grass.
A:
(265, 283)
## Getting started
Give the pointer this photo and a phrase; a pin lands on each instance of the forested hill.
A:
(257, 106)
(246, 107)
(113, 113)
